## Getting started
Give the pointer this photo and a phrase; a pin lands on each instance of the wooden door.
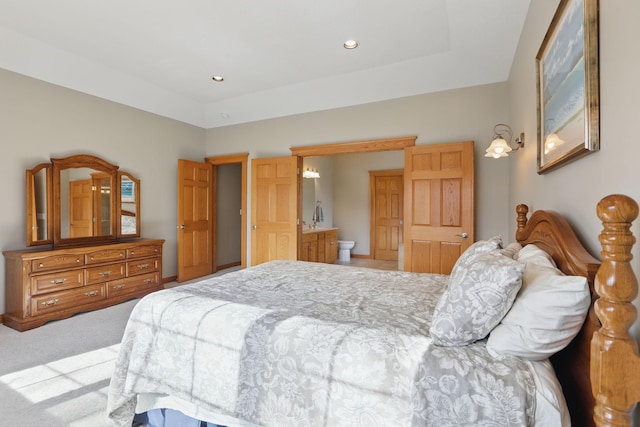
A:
(275, 213)
(195, 225)
(439, 205)
(80, 208)
(386, 213)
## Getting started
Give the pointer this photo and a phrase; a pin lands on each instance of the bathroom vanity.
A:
(319, 245)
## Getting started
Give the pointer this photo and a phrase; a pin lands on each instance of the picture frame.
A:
(568, 87)
(127, 190)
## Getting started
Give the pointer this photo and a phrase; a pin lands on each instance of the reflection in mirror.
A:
(85, 203)
(84, 200)
(39, 224)
(129, 207)
(308, 199)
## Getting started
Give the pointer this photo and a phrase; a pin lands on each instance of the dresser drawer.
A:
(132, 284)
(103, 273)
(141, 266)
(58, 301)
(144, 251)
(105, 255)
(56, 262)
(57, 281)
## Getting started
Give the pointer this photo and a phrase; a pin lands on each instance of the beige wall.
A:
(40, 120)
(458, 115)
(575, 189)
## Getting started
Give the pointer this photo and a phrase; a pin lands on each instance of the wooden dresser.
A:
(43, 285)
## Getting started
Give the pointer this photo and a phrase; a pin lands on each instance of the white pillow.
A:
(547, 314)
(477, 297)
(511, 250)
(533, 254)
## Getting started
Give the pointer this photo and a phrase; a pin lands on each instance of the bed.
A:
(291, 343)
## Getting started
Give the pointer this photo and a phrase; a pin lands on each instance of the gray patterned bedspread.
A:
(291, 343)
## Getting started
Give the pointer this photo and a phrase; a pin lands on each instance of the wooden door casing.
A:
(439, 205)
(386, 190)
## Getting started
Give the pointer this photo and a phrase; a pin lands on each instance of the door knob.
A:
(463, 235)
(182, 227)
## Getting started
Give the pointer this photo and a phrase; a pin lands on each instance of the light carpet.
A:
(57, 375)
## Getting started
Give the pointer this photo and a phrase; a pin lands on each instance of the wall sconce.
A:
(311, 173)
(500, 147)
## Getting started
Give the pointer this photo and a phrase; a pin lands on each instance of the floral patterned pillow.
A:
(477, 248)
(478, 296)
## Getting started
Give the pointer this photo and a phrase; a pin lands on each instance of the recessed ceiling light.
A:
(217, 78)
(350, 44)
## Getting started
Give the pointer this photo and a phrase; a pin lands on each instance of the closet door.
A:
(195, 225)
(275, 190)
(439, 205)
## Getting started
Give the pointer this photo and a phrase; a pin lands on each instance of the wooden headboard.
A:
(551, 232)
(602, 360)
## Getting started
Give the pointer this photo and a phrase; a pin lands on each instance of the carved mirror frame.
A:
(43, 202)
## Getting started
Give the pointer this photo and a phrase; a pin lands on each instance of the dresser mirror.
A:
(39, 206)
(129, 206)
(81, 199)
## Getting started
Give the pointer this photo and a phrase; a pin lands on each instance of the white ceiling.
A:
(278, 57)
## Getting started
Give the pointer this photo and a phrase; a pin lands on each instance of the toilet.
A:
(344, 250)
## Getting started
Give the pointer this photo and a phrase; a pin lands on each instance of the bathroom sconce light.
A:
(311, 173)
(500, 147)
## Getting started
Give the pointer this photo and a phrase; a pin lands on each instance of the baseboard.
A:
(361, 256)
(168, 279)
(225, 266)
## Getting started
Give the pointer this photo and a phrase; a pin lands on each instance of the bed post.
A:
(522, 211)
(615, 364)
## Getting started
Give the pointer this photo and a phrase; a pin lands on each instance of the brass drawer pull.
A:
(91, 293)
(143, 266)
(41, 265)
(119, 287)
(58, 281)
(106, 273)
(50, 302)
(149, 281)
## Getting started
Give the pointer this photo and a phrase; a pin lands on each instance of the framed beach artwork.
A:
(127, 190)
(568, 86)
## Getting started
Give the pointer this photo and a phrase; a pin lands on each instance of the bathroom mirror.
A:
(80, 199)
(308, 199)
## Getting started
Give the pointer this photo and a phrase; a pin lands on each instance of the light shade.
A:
(310, 173)
(498, 148)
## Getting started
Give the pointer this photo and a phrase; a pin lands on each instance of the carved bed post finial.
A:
(522, 211)
(615, 365)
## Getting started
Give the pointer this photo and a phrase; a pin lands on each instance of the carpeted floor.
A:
(57, 375)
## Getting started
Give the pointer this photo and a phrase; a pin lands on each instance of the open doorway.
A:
(229, 212)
